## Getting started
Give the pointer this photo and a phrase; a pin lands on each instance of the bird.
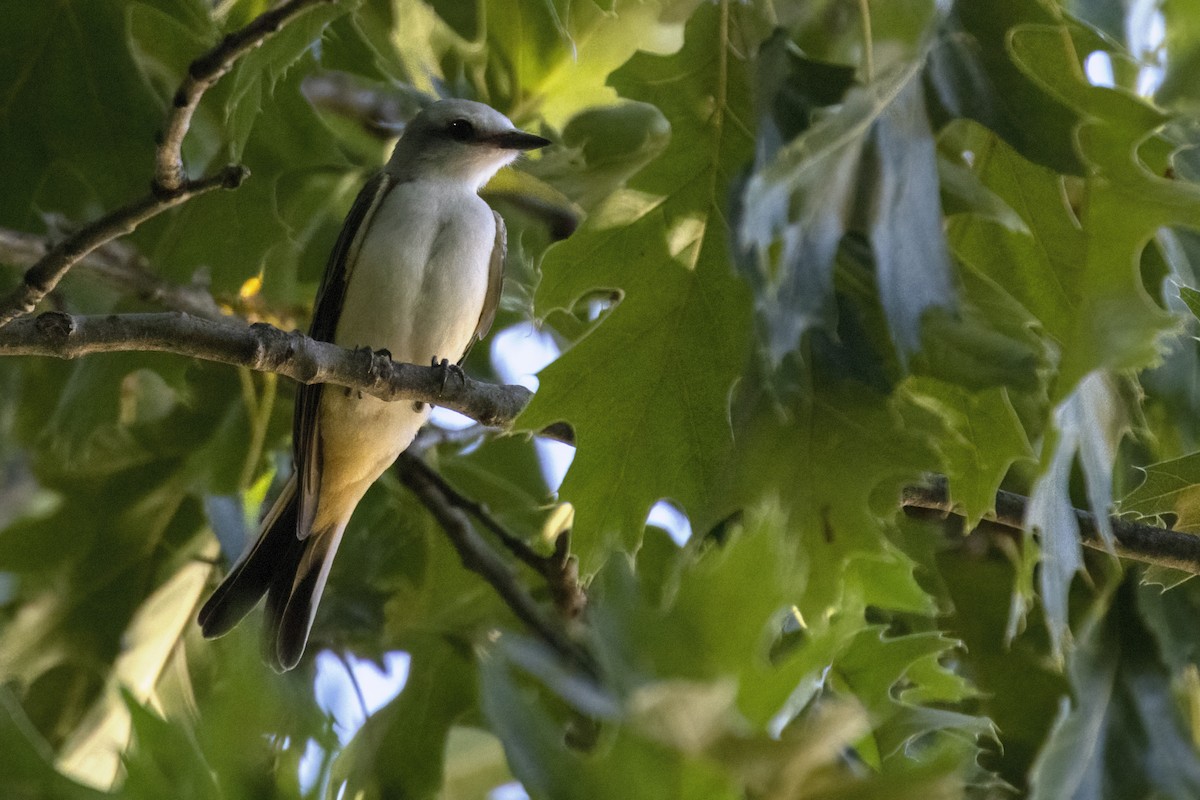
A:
(417, 271)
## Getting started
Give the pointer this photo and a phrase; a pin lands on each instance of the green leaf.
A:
(475, 764)
(694, 691)
(873, 665)
(626, 767)
(397, 580)
(1126, 200)
(229, 234)
(837, 461)
(255, 726)
(1085, 295)
(991, 341)
(506, 475)
(1171, 618)
(164, 38)
(555, 55)
(1019, 689)
(687, 635)
(84, 429)
(1183, 53)
(93, 749)
(1055, 272)
(974, 75)
(1191, 298)
(1169, 487)
(76, 121)
(111, 545)
(803, 643)
(646, 390)
(254, 80)
(984, 437)
(602, 148)
(166, 761)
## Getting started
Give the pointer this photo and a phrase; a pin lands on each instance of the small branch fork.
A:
(202, 74)
(42, 277)
(560, 570)
(120, 266)
(1135, 540)
(448, 508)
(170, 186)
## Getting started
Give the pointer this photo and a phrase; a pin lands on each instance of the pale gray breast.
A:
(419, 282)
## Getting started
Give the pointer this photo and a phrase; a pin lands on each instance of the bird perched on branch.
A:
(416, 270)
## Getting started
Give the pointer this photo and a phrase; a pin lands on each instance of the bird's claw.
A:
(447, 369)
(378, 361)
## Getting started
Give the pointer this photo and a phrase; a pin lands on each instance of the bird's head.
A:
(459, 140)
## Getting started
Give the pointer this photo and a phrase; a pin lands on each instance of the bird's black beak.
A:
(518, 140)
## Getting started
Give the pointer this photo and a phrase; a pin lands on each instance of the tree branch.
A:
(42, 277)
(1135, 540)
(206, 70)
(559, 569)
(170, 186)
(263, 348)
(119, 265)
(481, 559)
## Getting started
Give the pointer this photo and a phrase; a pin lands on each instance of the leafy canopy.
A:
(827, 249)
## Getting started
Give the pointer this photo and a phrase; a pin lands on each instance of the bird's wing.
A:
(306, 438)
(491, 301)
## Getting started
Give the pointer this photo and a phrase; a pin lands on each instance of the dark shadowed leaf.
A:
(866, 165)
(1122, 735)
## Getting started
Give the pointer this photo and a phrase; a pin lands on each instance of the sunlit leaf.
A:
(647, 389)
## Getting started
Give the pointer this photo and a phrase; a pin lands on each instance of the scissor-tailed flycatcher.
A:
(417, 270)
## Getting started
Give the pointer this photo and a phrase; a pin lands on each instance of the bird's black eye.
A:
(460, 130)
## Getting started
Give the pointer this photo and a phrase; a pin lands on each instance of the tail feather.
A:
(277, 550)
(292, 600)
(291, 571)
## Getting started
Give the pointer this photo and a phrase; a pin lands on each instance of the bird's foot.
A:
(381, 364)
(447, 369)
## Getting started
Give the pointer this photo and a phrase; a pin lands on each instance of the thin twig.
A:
(864, 14)
(202, 74)
(42, 277)
(433, 435)
(559, 569)
(353, 676)
(118, 265)
(511, 542)
(1135, 540)
(482, 560)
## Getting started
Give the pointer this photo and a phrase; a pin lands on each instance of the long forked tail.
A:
(290, 570)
